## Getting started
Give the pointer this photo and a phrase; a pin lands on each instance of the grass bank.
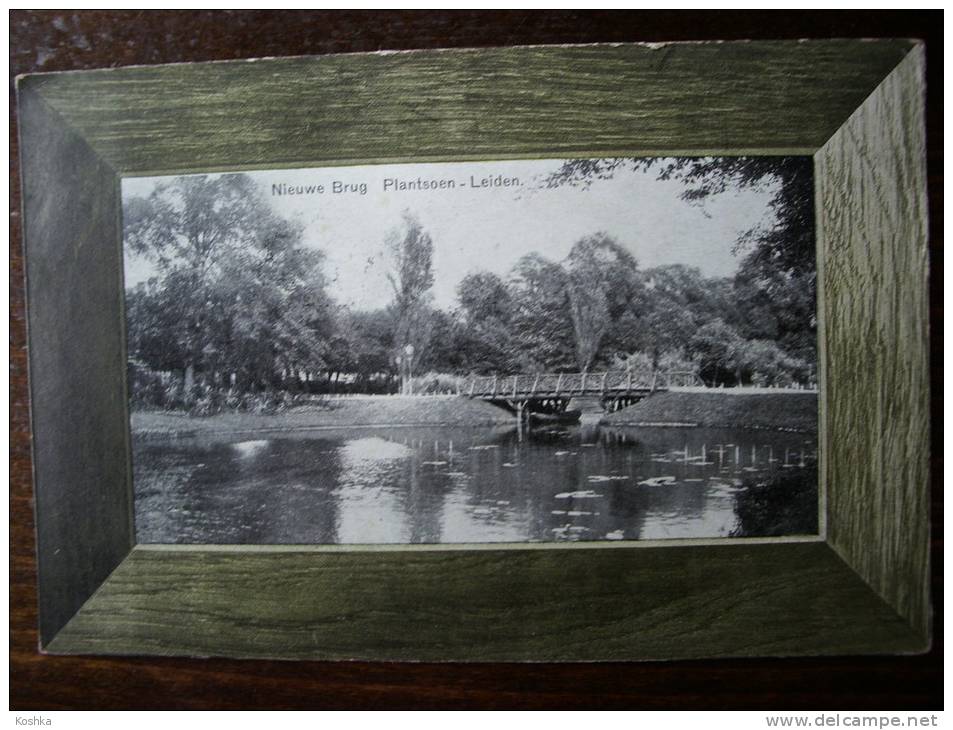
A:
(337, 413)
(777, 411)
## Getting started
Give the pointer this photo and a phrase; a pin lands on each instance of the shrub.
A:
(433, 383)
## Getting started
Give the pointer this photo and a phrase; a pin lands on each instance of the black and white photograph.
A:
(515, 351)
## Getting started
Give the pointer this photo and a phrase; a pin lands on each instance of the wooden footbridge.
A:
(552, 392)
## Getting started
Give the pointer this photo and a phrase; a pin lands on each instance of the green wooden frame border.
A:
(861, 587)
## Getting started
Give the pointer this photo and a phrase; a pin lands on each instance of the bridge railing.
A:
(568, 384)
(679, 379)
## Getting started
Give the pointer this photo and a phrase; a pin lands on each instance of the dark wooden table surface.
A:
(64, 40)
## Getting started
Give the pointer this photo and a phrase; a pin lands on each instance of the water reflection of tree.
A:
(281, 494)
(781, 502)
(422, 494)
(234, 492)
(423, 483)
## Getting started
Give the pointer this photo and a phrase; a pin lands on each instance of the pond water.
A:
(467, 485)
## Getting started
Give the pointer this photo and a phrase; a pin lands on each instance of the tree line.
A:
(239, 309)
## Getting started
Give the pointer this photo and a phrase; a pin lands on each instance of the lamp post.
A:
(409, 355)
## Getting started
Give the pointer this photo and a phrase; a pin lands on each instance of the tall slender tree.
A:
(603, 283)
(411, 279)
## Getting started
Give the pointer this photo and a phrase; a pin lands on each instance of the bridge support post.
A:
(520, 413)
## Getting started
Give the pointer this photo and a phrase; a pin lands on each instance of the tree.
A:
(411, 279)
(779, 255)
(443, 352)
(541, 322)
(484, 333)
(763, 363)
(716, 345)
(786, 245)
(370, 343)
(728, 359)
(154, 334)
(679, 283)
(188, 227)
(280, 318)
(667, 330)
(484, 296)
(676, 300)
(603, 282)
(240, 295)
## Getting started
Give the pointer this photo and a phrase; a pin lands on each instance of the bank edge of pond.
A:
(364, 411)
(781, 411)
(792, 411)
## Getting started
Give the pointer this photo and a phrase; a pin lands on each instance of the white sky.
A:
(491, 228)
